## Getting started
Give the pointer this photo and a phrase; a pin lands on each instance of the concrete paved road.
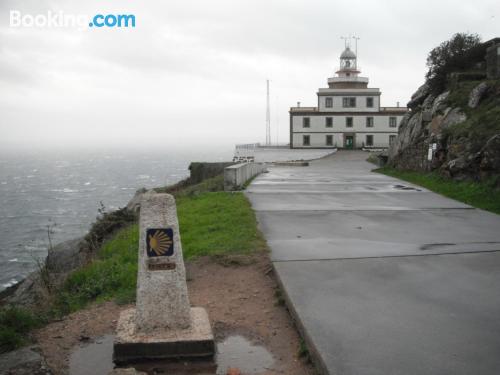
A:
(383, 277)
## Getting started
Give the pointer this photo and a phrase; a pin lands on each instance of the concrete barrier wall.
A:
(235, 176)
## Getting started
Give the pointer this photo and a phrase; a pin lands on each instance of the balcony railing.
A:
(347, 79)
(303, 109)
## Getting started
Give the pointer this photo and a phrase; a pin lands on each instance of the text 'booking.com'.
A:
(61, 19)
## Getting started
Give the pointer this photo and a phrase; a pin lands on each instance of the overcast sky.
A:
(192, 72)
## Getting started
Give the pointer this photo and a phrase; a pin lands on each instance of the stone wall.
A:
(200, 171)
(237, 175)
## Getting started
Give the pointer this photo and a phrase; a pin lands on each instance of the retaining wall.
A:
(235, 176)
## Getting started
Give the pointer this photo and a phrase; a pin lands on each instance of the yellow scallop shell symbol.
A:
(160, 242)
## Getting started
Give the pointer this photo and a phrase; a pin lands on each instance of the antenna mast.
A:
(268, 117)
(356, 48)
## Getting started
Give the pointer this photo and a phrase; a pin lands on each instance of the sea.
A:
(56, 195)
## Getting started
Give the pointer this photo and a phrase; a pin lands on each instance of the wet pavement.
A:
(96, 358)
(384, 277)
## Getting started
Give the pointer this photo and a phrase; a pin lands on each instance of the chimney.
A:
(298, 104)
(398, 104)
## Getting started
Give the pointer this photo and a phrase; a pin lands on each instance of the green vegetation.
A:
(461, 53)
(303, 351)
(112, 275)
(482, 122)
(106, 224)
(15, 325)
(218, 223)
(280, 299)
(213, 223)
(483, 195)
(209, 185)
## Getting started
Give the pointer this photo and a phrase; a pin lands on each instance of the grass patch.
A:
(303, 351)
(211, 184)
(218, 223)
(280, 298)
(15, 325)
(222, 225)
(113, 275)
(482, 195)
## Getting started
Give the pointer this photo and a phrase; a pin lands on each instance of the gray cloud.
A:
(193, 72)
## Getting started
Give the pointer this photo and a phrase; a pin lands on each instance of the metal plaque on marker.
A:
(160, 242)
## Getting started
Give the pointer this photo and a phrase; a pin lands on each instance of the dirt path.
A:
(240, 297)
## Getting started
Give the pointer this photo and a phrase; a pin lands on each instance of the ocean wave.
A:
(65, 190)
(87, 183)
(11, 282)
(13, 260)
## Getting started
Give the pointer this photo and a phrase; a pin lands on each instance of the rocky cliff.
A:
(464, 124)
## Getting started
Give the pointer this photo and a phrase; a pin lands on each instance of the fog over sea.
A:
(63, 190)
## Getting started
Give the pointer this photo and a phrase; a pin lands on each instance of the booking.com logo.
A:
(61, 19)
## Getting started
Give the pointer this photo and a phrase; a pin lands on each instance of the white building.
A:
(348, 114)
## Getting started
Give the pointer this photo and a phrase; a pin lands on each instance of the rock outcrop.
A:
(24, 361)
(463, 125)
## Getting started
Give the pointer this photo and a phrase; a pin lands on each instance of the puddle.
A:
(237, 351)
(95, 358)
(404, 187)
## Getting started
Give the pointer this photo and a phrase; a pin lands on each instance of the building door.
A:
(349, 142)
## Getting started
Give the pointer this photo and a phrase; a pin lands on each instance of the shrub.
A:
(15, 325)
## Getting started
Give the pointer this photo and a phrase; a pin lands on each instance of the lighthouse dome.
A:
(348, 54)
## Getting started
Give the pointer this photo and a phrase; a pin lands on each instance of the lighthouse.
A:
(348, 112)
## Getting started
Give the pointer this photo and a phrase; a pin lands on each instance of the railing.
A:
(348, 79)
(303, 109)
(392, 109)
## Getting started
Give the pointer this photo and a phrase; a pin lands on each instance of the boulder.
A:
(419, 96)
(453, 117)
(477, 94)
(65, 257)
(24, 361)
(134, 204)
(457, 165)
(30, 292)
(428, 102)
(490, 155)
(61, 260)
(439, 103)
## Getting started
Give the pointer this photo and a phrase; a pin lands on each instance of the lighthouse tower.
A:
(348, 114)
(348, 72)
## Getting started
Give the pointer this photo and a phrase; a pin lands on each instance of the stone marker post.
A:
(162, 325)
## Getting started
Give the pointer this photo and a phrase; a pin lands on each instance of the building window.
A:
(329, 102)
(392, 139)
(369, 102)
(392, 122)
(349, 102)
(306, 122)
(329, 122)
(329, 140)
(369, 122)
(306, 140)
(369, 140)
(348, 122)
